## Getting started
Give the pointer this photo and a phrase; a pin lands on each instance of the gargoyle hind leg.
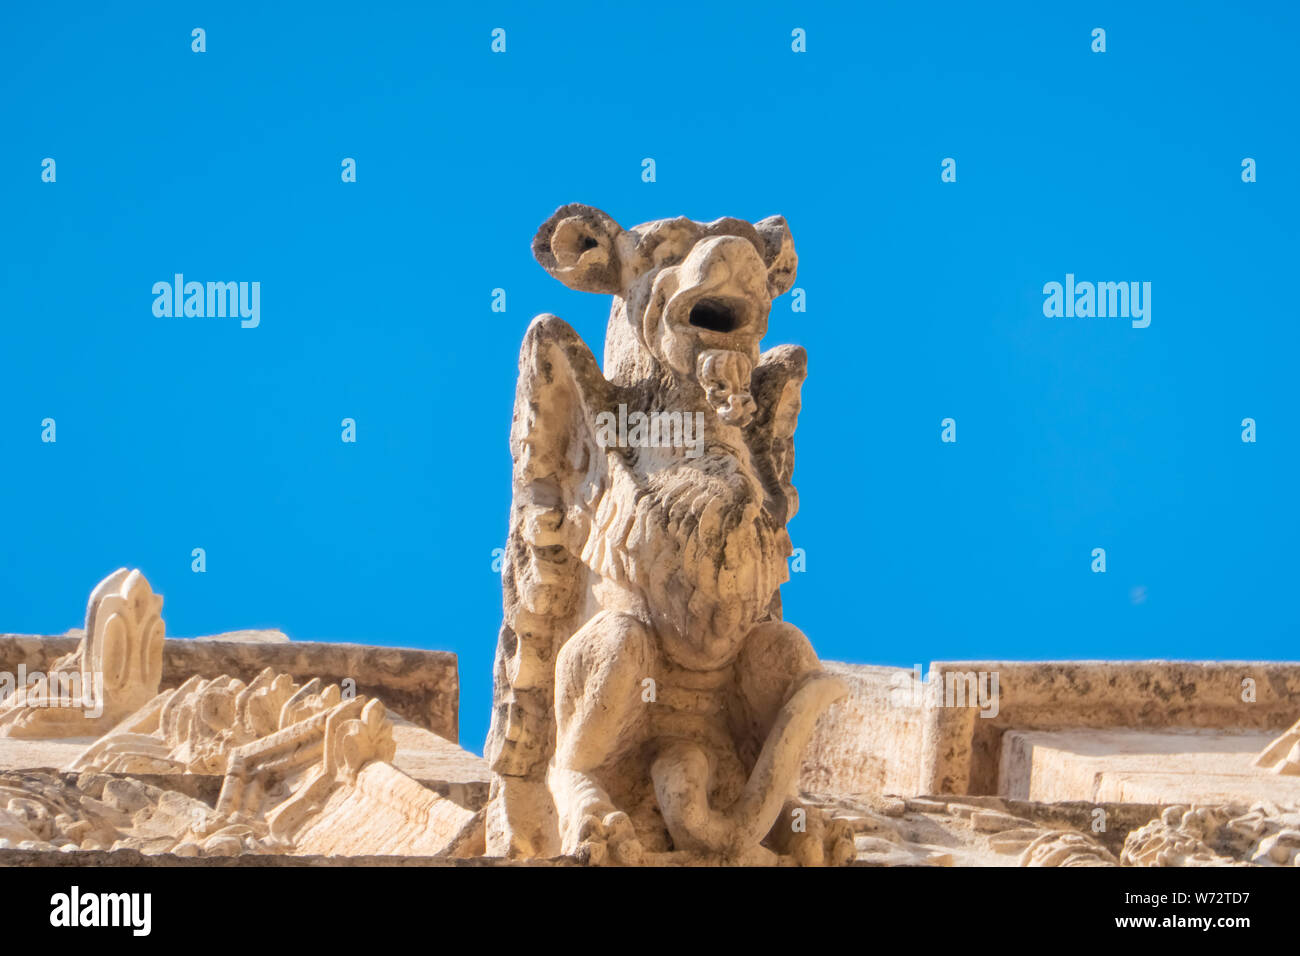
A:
(599, 711)
(776, 659)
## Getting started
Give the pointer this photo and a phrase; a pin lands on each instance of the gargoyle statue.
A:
(650, 704)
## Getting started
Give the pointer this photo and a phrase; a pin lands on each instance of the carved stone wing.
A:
(559, 476)
(776, 386)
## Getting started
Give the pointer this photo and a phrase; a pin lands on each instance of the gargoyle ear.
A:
(779, 254)
(578, 246)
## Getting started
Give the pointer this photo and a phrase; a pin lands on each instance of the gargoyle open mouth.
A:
(717, 315)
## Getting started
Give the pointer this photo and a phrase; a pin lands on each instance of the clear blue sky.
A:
(924, 302)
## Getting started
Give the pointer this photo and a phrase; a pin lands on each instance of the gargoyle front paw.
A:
(811, 837)
(839, 846)
(608, 841)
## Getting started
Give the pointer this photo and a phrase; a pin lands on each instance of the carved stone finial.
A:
(113, 672)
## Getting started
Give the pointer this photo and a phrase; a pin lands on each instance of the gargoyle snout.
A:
(722, 289)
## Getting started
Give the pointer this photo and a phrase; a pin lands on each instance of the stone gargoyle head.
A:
(691, 299)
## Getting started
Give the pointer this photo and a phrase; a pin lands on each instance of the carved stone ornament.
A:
(651, 705)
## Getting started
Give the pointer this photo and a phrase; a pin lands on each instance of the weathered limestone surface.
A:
(386, 812)
(869, 740)
(219, 766)
(17, 753)
(1282, 756)
(247, 636)
(1116, 766)
(1225, 835)
(275, 771)
(893, 734)
(651, 705)
(1059, 695)
(423, 686)
(434, 761)
(922, 831)
(132, 858)
(440, 765)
